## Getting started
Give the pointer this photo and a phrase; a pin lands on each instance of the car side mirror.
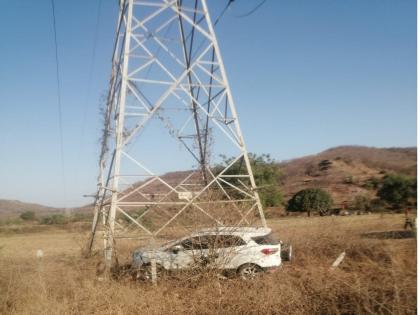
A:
(176, 249)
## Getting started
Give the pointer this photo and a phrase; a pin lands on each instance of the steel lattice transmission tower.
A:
(170, 107)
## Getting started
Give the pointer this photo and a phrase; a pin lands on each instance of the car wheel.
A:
(249, 271)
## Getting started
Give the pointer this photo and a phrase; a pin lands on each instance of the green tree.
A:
(377, 205)
(54, 219)
(312, 199)
(398, 190)
(361, 203)
(28, 216)
(372, 183)
(267, 177)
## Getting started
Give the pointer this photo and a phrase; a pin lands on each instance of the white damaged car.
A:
(244, 250)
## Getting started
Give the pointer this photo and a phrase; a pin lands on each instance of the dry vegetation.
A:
(378, 276)
(348, 170)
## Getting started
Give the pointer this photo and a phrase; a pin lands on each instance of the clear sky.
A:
(322, 73)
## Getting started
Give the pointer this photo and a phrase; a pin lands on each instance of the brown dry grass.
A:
(376, 277)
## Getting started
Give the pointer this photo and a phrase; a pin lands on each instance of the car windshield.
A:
(266, 240)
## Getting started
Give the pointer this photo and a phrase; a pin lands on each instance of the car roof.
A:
(234, 230)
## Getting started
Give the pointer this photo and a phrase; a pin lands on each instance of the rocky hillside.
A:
(346, 171)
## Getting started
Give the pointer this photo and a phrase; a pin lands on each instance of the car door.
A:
(189, 253)
(180, 255)
(230, 251)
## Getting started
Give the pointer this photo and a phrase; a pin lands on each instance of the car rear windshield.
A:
(266, 240)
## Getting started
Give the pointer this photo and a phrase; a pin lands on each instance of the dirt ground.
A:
(377, 276)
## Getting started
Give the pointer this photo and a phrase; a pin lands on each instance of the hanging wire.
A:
(252, 11)
(216, 21)
(60, 115)
(90, 73)
(89, 84)
(223, 12)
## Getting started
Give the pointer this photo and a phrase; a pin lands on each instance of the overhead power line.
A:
(60, 114)
(223, 12)
(251, 11)
(89, 83)
(91, 66)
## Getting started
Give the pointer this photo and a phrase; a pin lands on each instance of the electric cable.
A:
(89, 84)
(90, 73)
(60, 115)
(252, 11)
(223, 12)
(216, 21)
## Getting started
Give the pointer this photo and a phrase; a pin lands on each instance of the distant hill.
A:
(343, 171)
(13, 208)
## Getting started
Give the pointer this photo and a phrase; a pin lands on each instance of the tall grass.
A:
(376, 277)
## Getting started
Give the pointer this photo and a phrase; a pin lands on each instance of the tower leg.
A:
(119, 139)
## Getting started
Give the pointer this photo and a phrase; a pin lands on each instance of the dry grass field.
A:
(377, 276)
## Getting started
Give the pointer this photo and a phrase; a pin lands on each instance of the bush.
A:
(271, 197)
(54, 219)
(266, 174)
(11, 221)
(313, 199)
(398, 190)
(324, 165)
(372, 183)
(80, 217)
(377, 205)
(28, 216)
(361, 203)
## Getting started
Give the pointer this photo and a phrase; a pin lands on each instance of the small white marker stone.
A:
(338, 260)
(39, 253)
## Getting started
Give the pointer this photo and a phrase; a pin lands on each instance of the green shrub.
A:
(271, 197)
(11, 221)
(398, 190)
(267, 176)
(28, 216)
(313, 199)
(377, 205)
(54, 219)
(80, 217)
(372, 183)
(361, 203)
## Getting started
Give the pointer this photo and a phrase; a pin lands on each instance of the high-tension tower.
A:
(170, 108)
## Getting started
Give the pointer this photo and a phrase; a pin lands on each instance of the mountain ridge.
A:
(343, 171)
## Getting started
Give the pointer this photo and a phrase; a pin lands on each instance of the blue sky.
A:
(306, 75)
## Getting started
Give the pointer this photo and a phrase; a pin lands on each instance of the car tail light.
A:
(269, 251)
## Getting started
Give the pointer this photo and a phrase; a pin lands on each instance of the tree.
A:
(398, 190)
(28, 216)
(313, 199)
(267, 176)
(372, 183)
(54, 219)
(377, 205)
(361, 203)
